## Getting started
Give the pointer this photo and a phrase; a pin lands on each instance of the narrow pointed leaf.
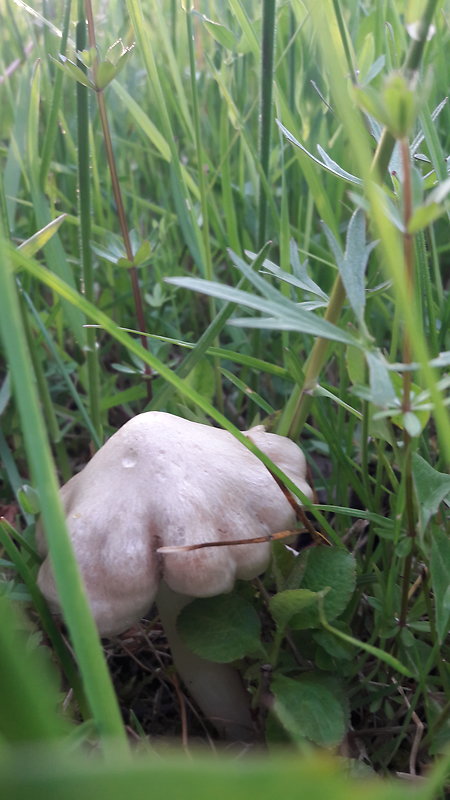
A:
(331, 166)
(353, 266)
(39, 239)
(286, 315)
(432, 487)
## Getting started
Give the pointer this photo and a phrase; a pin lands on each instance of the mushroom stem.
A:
(216, 688)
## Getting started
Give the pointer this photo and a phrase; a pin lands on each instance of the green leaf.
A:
(382, 655)
(284, 606)
(125, 263)
(123, 60)
(335, 647)
(105, 74)
(39, 239)
(114, 51)
(117, 54)
(440, 192)
(301, 274)
(312, 707)
(369, 99)
(285, 315)
(143, 254)
(253, 396)
(329, 165)
(74, 72)
(320, 391)
(412, 424)
(327, 567)
(87, 57)
(219, 32)
(394, 106)
(356, 365)
(400, 102)
(29, 499)
(382, 390)
(424, 216)
(222, 628)
(432, 488)
(201, 379)
(300, 279)
(353, 267)
(353, 262)
(440, 580)
(427, 213)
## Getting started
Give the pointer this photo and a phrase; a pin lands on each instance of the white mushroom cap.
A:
(163, 480)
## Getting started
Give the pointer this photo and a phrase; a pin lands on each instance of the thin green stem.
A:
(203, 189)
(408, 252)
(118, 197)
(297, 409)
(84, 195)
(266, 112)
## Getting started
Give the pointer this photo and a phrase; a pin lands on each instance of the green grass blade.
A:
(28, 698)
(56, 257)
(52, 124)
(73, 599)
(387, 658)
(47, 620)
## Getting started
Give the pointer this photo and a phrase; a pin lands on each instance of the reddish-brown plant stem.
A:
(118, 196)
(408, 253)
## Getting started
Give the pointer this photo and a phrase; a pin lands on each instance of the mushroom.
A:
(165, 481)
